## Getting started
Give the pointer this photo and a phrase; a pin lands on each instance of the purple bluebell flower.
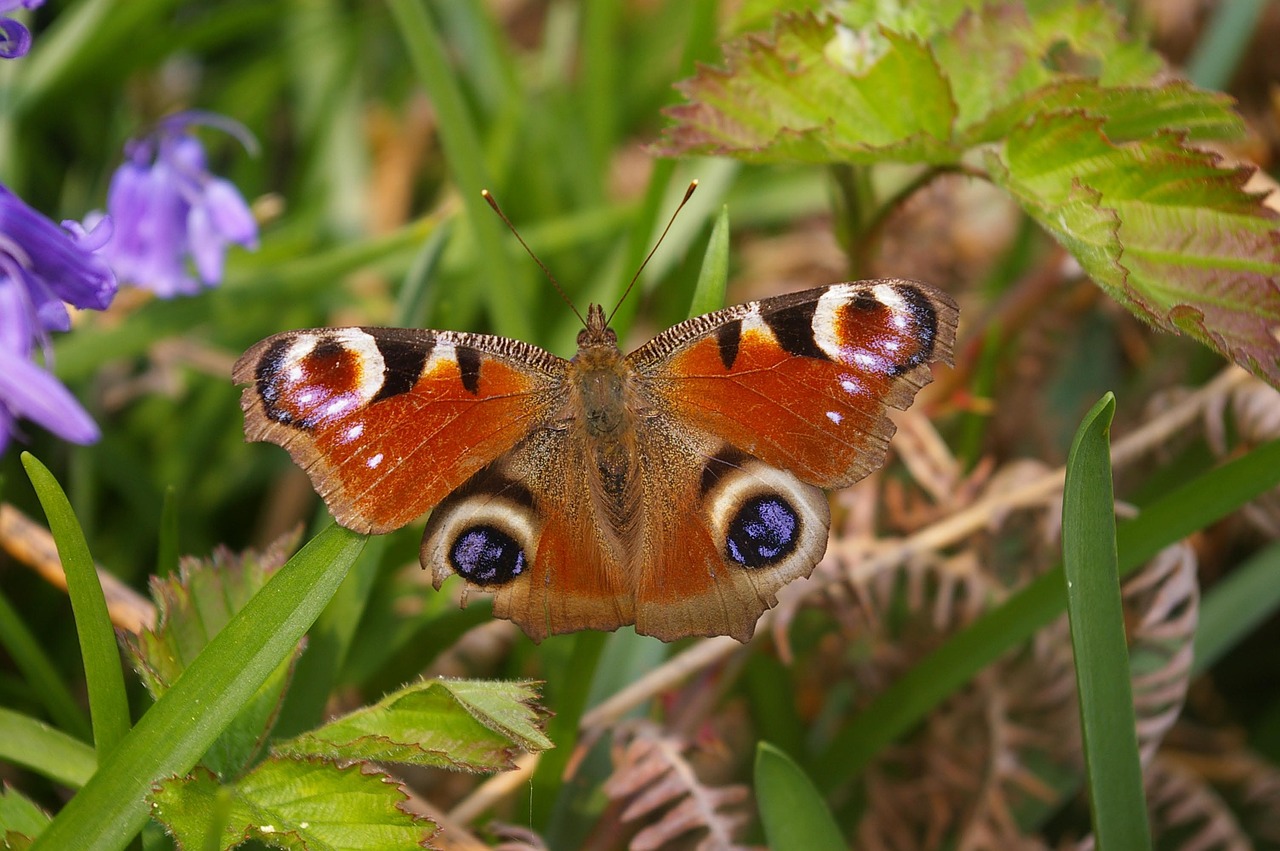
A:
(15, 39)
(43, 268)
(172, 216)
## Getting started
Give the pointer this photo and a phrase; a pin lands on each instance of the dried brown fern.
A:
(1182, 805)
(661, 790)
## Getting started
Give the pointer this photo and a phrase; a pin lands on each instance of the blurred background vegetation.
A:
(375, 139)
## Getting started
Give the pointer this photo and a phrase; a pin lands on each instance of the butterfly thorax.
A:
(604, 403)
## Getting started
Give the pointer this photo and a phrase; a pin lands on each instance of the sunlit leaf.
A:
(1162, 227)
(470, 725)
(294, 804)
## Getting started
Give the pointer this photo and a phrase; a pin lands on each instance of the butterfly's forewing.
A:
(804, 381)
(388, 421)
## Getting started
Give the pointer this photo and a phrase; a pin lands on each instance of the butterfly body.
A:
(677, 487)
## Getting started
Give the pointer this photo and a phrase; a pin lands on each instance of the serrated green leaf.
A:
(293, 804)
(872, 84)
(19, 817)
(1162, 227)
(193, 606)
(460, 724)
(816, 93)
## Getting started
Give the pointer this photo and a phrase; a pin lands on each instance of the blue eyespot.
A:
(764, 531)
(486, 555)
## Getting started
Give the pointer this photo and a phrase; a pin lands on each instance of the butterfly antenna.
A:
(688, 193)
(488, 197)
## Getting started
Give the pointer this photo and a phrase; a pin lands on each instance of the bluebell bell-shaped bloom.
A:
(42, 269)
(15, 39)
(172, 216)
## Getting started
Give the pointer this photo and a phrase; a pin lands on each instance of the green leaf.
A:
(293, 804)
(806, 96)
(19, 815)
(1096, 616)
(52, 753)
(794, 815)
(1165, 230)
(108, 704)
(193, 606)
(460, 724)
(182, 724)
(708, 293)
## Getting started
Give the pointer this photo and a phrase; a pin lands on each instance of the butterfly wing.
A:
(526, 530)
(804, 381)
(388, 421)
(767, 400)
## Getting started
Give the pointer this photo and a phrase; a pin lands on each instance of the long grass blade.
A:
(104, 675)
(172, 736)
(1090, 565)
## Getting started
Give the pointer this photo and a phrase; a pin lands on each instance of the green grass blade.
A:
(172, 736)
(1094, 610)
(1223, 42)
(167, 545)
(508, 294)
(794, 815)
(713, 278)
(416, 301)
(547, 785)
(901, 706)
(44, 750)
(41, 673)
(1236, 606)
(104, 676)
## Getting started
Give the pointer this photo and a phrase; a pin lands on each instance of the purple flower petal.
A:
(29, 392)
(15, 39)
(206, 244)
(171, 214)
(52, 255)
(230, 214)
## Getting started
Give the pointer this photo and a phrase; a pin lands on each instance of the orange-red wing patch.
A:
(387, 422)
(803, 381)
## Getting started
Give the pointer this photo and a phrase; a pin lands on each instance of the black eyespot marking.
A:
(265, 375)
(469, 367)
(925, 319)
(728, 336)
(724, 461)
(765, 530)
(486, 555)
(864, 301)
(403, 362)
(793, 328)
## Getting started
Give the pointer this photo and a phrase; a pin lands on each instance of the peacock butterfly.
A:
(676, 488)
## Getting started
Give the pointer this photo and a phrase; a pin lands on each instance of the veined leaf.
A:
(460, 724)
(1162, 227)
(798, 97)
(194, 606)
(1066, 112)
(866, 87)
(293, 804)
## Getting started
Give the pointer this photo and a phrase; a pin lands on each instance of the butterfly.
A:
(676, 488)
